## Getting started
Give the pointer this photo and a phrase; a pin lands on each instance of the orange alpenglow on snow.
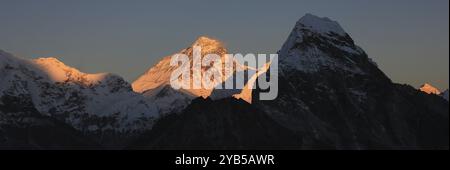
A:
(429, 89)
(160, 74)
(57, 71)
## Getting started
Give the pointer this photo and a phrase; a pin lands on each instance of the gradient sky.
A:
(409, 39)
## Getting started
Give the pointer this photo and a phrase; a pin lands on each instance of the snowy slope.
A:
(321, 25)
(88, 102)
(160, 74)
(430, 89)
(155, 83)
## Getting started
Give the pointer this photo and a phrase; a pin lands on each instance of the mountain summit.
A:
(317, 44)
(333, 95)
(155, 83)
(322, 25)
(429, 89)
(210, 45)
(159, 75)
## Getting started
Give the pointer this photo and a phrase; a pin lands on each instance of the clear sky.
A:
(409, 39)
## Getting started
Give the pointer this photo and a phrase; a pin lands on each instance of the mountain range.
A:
(331, 96)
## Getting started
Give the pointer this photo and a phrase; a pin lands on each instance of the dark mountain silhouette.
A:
(331, 96)
(222, 124)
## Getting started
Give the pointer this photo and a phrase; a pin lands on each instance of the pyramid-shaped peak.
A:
(210, 45)
(320, 24)
(205, 38)
(207, 41)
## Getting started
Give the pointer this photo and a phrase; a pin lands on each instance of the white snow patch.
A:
(321, 25)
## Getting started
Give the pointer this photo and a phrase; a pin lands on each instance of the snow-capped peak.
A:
(208, 45)
(160, 73)
(205, 42)
(155, 83)
(320, 25)
(9, 59)
(429, 89)
(320, 44)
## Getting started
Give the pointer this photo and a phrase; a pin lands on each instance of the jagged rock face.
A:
(155, 83)
(333, 95)
(220, 124)
(160, 74)
(311, 49)
(90, 103)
